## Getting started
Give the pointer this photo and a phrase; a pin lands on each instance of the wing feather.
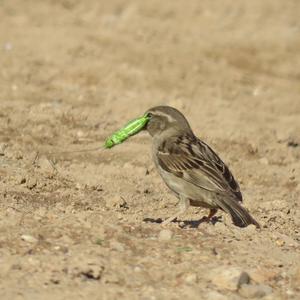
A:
(194, 161)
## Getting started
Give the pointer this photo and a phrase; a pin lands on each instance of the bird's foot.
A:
(209, 218)
(183, 204)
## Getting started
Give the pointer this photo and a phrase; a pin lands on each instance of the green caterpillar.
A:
(128, 130)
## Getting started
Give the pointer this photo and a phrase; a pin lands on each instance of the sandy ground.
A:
(86, 225)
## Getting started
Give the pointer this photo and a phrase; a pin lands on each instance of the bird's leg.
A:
(183, 206)
(212, 212)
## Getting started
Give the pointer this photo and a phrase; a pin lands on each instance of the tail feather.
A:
(239, 215)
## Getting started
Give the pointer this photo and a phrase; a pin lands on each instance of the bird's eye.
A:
(149, 115)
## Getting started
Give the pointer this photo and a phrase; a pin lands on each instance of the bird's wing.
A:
(194, 161)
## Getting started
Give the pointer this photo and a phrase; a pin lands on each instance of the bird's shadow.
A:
(187, 224)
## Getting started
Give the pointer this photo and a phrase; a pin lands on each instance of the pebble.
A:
(31, 182)
(252, 148)
(63, 249)
(115, 245)
(2, 149)
(19, 179)
(8, 46)
(191, 278)
(284, 239)
(264, 161)
(293, 142)
(85, 267)
(261, 275)
(290, 293)
(226, 277)
(28, 238)
(33, 261)
(250, 229)
(165, 235)
(244, 279)
(80, 133)
(111, 277)
(115, 202)
(45, 165)
(80, 186)
(14, 87)
(255, 290)
(280, 243)
(90, 271)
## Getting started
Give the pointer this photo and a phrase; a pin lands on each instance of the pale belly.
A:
(181, 188)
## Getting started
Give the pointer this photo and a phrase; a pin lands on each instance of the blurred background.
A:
(72, 72)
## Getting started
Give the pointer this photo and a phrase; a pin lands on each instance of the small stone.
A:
(252, 148)
(165, 235)
(45, 165)
(115, 245)
(226, 278)
(293, 142)
(92, 272)
(79, 186)
(255, 291)
(19, 179)
(191, 278)
(31, 182)
(111, 277)
(19, 155)
(116, 202)
(250, 229)
(33, 261)
(80, 133)
(290, 293)
(54, 279)
(286, 240)
(2, 149)
(244, 279)
(63, 249)
(280, 243)
(263, 275)
(127, 165)
(85, 267)
(14, 87)
(97, 188)
(264, 161)
(8, 46)
(256, 91)
(137, 269)
(28, 238)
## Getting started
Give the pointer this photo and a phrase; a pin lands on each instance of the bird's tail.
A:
(239, 214)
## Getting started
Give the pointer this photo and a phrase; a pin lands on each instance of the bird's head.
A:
(166, 121)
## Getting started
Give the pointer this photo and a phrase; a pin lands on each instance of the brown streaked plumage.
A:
(191, 169)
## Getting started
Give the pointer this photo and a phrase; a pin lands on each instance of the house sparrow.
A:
(191, 169)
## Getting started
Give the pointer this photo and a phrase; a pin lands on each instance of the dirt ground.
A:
(85, 225)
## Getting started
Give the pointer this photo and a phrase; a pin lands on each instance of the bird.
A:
(191, 169)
